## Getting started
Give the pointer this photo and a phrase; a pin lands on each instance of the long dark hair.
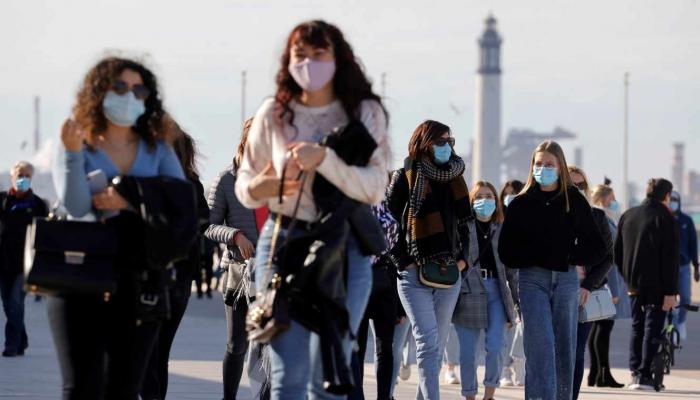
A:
(423, 138)
(186, 150)
(87, 110)
(350, 85)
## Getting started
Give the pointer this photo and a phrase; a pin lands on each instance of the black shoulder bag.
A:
(70, 257)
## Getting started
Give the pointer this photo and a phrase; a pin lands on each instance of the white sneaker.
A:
(451, 378)
(682, 332)
(404, 372)
(506, 377)
(506, 382)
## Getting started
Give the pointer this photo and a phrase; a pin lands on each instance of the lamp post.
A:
(243, 84)
(625, 154)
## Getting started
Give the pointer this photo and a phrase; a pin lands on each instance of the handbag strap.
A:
(278, 225)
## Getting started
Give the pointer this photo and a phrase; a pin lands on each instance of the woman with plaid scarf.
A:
(430, 199)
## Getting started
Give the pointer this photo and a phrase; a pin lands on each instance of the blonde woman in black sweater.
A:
(548, 230)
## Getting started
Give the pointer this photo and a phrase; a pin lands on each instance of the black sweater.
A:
(647, 250)
(539, 232)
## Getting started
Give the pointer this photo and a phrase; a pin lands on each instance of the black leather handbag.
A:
(70, 257)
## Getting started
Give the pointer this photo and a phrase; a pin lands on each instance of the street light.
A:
(625, 156)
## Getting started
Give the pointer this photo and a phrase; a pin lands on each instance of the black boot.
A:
(605, 379)
(592, 377)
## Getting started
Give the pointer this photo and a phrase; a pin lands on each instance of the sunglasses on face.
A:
(443, 141)
(580, 186)
(140, 91)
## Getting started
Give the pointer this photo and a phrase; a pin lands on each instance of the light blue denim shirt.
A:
(71, 169)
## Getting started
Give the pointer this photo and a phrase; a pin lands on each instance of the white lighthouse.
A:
(486, 155)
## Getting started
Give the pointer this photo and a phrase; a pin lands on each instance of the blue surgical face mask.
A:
(674, 206)
(614, 205)
(508, 199)
(442, 154)
(545, 176)
(484, 208)
(23, 184)
(122, 109)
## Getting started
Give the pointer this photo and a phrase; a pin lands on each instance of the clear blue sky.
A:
(563, 65)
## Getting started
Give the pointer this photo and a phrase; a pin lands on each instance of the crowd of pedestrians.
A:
(309, 267)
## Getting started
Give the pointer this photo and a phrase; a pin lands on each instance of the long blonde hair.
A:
(564, 178)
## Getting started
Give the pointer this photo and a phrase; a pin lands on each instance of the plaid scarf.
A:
(427, 239)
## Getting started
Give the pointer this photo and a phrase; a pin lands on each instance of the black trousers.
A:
(381, 309)
(236, 347)
(582, 332)
(647, 325)
(155, 384)
(207, 265)
(101, 351)
(599, 346)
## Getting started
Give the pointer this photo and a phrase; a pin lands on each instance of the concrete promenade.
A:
(200, 343)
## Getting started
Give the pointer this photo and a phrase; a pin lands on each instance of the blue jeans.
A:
(430, 312)
(401, 337)
(549, 306)
(684, 284)
(12, 293)
(469, 344)
(295, 355)
(452, 347)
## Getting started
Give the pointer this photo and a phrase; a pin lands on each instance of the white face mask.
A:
(123, 109)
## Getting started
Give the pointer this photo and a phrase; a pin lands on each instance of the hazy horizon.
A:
(563, 65)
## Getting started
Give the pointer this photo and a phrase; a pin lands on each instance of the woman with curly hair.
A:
(117, 128)
(320, 86)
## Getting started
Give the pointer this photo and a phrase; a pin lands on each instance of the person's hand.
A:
(696, 275)
(266, 184)
(462, 265)
(307, 155)
(72, 136)
(581, 272)
(109, 199)
(616, 300)
(583, 296)
(669, 303)
(244, 246)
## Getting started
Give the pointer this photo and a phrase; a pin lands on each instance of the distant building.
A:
(486, 151)
(520, 143)
(678, 168)
(692, 196)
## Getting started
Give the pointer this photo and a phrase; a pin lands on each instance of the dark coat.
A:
(167, 207)
(596, 274)
(647, 252)
(15, 215)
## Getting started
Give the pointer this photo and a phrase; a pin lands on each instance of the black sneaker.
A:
(635, 382)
